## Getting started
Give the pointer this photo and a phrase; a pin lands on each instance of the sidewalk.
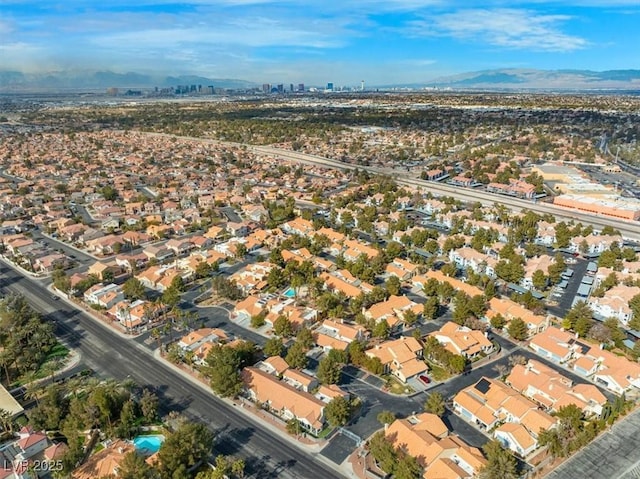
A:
(92, 314)
(270, 422)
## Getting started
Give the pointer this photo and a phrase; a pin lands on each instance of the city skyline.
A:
(384, 42)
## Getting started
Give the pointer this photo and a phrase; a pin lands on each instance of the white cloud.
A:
(503, 27)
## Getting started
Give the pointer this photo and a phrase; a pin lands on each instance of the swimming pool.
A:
(290, 293)
(148, 444)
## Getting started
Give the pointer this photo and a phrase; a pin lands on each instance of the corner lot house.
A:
(442, 454)
(461, 340)
(284, 400)
(401, 357)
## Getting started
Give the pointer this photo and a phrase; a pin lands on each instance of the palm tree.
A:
(6, 420)
(6, 359)
(32, 387)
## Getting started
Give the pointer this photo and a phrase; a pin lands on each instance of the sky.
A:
(314, 42)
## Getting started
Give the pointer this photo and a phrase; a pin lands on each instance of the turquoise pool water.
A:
(290, 293)
(148, 444)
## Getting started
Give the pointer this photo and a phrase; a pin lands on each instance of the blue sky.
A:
(344, 41)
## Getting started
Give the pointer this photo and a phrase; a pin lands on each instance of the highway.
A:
(629, 229)
(266, 455)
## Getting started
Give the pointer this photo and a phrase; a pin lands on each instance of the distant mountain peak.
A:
(102, 79)
(523, 78)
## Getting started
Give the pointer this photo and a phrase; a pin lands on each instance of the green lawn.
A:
(396, 387)
(58, 351)
(437, 373)
(325, 432)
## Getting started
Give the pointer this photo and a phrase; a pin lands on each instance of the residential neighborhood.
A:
(359, 317)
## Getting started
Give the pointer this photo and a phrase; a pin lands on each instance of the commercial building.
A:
(627, 209)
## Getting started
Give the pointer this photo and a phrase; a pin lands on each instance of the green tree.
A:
(296, 357)
(407, 468)
(241, 251)
(337, 411)
(383, 451)
(149, 405)
(273, 347)
(126, 428)
(430, 308)
(634, 305)
(580, 313)
(392, 285)
(258, 320)
(282, 327)
(133, 289)
(305, 338)
(435, 404)
(178, 283)
(134, 466)
(184, 448)
(381, 329)
(500, 462)
(329, 371)
(293, 426)
(409, 317)
(539, 279)
(224, 371)
(171, 297)
(203, 270)
(386, 417)
(517, 329)
(498, 321)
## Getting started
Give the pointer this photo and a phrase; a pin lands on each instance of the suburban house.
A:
(180, 246)
(298, 226)
(613, 372)
(103, 270)
(510, 309)
(537, 263)
(615, 303)
(393, 310)
(552, 390)
(159, 253)
(441, 454)
(492, 404)
(104, 463)
(461, 340)
(299, 380)
(104, 295)
(400, 357)
(595, 244)
(479, 263)
(195, 339)
(16, 456)
(342, 281)
(338, 335)
(284, 400)
(401, 268)
(458, 285)
(248, 307)
(555, 344)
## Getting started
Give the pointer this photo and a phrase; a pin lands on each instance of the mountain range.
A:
(510, 79)
(15, 81)
(529, 79)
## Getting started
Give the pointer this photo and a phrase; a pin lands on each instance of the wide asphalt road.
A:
(266, 455)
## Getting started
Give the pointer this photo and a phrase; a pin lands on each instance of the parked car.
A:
(424, 378)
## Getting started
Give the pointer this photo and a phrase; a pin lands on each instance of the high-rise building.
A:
(300, 86)
(266, 88)
(280, 88)
(330, 86)
(291, 87)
